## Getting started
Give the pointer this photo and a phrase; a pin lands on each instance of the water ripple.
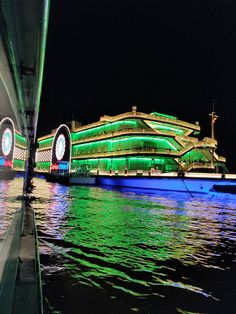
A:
(136, 251)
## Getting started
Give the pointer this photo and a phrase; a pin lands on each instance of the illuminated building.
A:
(12, 147)
(133, 143)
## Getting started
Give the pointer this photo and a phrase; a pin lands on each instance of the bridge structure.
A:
(23, 34)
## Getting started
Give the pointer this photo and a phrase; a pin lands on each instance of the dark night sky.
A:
(168, 56)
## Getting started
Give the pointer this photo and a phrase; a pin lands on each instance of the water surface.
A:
(129, 251)
(10, 202)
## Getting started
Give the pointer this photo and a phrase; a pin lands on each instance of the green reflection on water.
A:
(10, 202)
(132, 230)
(134, 243)
(108, 220)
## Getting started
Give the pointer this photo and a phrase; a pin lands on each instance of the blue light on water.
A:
(147, 243)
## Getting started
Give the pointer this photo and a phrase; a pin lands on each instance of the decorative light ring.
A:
(60, 147)
(7, 141)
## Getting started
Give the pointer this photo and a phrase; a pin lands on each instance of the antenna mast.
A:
(214, 117)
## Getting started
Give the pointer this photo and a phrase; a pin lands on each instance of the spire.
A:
(214, 117)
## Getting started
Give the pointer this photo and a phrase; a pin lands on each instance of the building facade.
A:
(132, 143)
(13, 147)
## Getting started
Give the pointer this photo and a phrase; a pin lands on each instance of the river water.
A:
(10, 203)
(108, 250)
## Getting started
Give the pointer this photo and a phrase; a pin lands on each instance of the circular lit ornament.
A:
(60, 146)
(6, 142)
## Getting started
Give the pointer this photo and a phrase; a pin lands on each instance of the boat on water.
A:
(190, 183)
(136, 149)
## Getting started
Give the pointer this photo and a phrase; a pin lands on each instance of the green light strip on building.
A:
(120, 159)
(89, 144)
(107, 125)
(19, 164)
(46, 140)
(43, 165)
(163, 115)
(20, 140)
(159, 126)
(20, 137)
(142, 158)
(147, 138)
(128, 139)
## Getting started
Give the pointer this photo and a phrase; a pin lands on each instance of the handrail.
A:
(197, 165)
(126, 153)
